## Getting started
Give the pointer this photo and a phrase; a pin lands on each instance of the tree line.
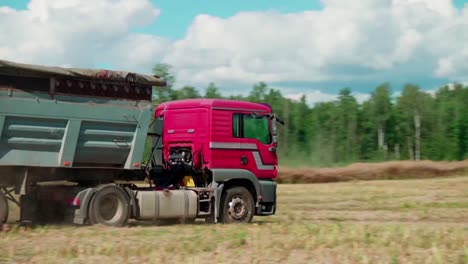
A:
(415, 125)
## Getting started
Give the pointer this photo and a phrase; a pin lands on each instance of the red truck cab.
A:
(232, 143)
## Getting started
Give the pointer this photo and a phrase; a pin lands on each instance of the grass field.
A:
(397, 221)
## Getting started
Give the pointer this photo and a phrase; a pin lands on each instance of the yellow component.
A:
(188, 181)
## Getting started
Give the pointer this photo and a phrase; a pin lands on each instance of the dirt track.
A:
(373, 171)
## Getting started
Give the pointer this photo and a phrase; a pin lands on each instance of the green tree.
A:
(212, 91)
(380, 109)
(347, 130)
(187, 92)
(367, 136)
(165, 72)
(301, 126)
(163, 94)
(449, 128)
(413, 108)
(324, 133)
(258, 92)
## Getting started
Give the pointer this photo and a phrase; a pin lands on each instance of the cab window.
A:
(251, 126)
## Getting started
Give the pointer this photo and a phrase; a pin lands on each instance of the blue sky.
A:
(316, 54)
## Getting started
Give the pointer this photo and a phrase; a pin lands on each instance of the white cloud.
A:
(317, 96)
(361, 97)
(313, 97)
(137, 52)
(347, 40)
(442, 7)
(366, 40)
(444, 67)
(454, 64)
(80, 33)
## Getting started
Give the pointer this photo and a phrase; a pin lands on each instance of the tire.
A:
(237, 206)
(110, 206)
(3, 208)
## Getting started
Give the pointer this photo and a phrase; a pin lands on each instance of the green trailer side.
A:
(58, 133)
(70, 118)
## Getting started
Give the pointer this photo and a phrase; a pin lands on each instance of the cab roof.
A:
(225, 104)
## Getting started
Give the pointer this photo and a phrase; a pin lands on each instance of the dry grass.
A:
(410, 221)
(374, 171)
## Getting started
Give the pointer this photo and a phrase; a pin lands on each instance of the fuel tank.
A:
(167, 204)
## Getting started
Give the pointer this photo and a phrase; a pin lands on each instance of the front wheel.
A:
(3, 208)
(110, 206)
(238, 206)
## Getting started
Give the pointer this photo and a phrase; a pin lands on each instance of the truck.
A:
(73, 144)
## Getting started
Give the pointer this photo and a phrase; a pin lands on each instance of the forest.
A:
(415, 125)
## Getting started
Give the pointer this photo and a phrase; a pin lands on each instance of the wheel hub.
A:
(110, 207)
(237, 208)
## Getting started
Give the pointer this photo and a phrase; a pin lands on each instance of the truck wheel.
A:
(3, 208)
(110, 206)
(238, 206)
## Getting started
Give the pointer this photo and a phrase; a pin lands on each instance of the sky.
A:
(311, 47)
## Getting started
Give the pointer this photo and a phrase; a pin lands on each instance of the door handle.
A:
(243, 160)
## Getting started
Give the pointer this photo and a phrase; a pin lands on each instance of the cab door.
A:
(257, 151)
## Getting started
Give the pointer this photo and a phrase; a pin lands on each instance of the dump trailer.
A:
(72, 144)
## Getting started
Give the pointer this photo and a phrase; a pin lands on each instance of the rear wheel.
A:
(110, 206)
(238, 205)
(3, 208)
